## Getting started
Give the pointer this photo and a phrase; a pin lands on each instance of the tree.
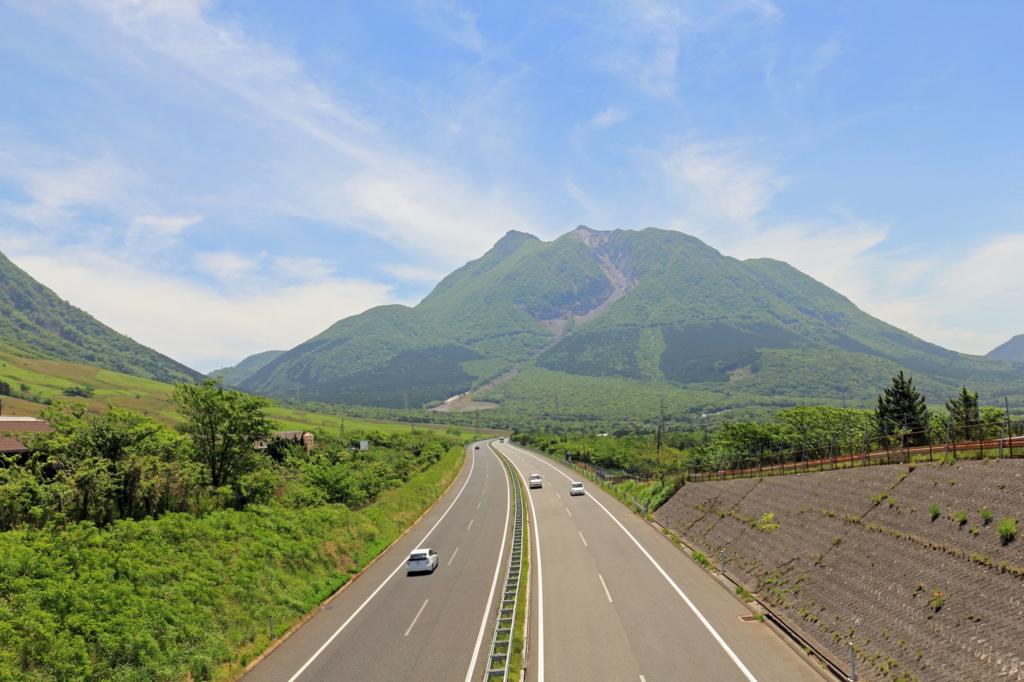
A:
(224, 426)
(963, 412)
(902, 410)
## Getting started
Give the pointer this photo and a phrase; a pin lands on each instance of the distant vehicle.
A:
(422, 561)
(576, 488)
(476, 447)
(535, 481)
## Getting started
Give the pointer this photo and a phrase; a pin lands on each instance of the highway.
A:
(389, 626)
(612, 599)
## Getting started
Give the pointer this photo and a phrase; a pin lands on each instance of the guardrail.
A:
(501, 642)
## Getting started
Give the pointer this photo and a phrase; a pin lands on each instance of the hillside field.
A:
(49, 379)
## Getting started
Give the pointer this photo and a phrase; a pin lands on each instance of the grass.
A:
(934, 510)
(519, 626)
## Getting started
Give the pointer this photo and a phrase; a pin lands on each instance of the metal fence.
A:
(970, 442)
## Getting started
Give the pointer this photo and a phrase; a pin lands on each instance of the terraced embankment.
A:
(881, 556)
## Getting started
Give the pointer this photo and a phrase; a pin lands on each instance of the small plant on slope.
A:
(960, 517)
(934, 510)
(1007, 529)
(986, 515)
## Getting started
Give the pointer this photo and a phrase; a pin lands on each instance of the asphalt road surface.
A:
(389, 626)
(613, 599)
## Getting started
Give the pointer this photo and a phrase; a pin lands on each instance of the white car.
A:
(421, 561)
(535, 481)
(576, 488)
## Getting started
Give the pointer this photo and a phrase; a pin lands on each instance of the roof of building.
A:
(12, 445)
(10, 424)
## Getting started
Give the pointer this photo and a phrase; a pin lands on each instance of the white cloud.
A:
(197, 325)
(224, 265)
(719, 182)
(450, 21)
(647, 45)
(609, 117)
(301, 268)
(413, 273)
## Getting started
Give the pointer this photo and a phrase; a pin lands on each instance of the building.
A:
(304, 437)
(10, 429)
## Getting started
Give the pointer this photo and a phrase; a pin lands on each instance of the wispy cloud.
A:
(450, 21)
(609, 117)
(414, 273)
(716, 181)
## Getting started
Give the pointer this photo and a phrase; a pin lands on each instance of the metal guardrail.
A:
(501, 642)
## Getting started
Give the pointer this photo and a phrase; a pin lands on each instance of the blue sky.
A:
(220, 178)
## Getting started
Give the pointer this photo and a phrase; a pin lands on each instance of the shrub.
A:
(1007, 529)
(934, 510)
(744, 594)
(937, 601)
(766, 523)
(960, 517)
(701, 559)
(986, 515)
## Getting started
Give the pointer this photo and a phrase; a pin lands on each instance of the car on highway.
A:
(535, 481)
(421, 561)
(576, 488)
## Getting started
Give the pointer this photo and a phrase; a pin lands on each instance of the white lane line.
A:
(568, 512)
(470, 524)
(472, 464)
(700, 616)
(497, 569)
(583, 538)
(606, 592)
(478, 504)
(453, 556)
(416, 618)
(643, 679)
(557, 495)
(535, 561)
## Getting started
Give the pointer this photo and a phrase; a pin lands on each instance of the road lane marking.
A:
(478, 504)
(583, 538)
(643, 679)
(557, 495)
(606, 592)
(568, 512)
(470, 524)
(535, 534)
(316, 654)
(453, 556)
(416, 618)
(497, 569)
(693, 608)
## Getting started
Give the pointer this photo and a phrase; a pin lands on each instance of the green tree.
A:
(224, 426)
(963, 413)
(902, 410)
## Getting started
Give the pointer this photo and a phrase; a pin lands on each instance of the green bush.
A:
(960, 517)
(1007, 529)
(986, 515)
(934, 510)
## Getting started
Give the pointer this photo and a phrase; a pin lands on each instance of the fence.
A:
(970, 442)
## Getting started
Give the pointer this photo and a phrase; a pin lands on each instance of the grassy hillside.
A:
(48, 380)
(35, 322)
(611, 322)
(233, 376)
(1011, 351)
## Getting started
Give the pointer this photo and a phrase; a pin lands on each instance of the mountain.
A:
(233, 376)
(599, 322)
(1011, 351)
(36, 323)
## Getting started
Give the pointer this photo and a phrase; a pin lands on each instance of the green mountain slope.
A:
(233, 376)
(36, 323)
(1011, 351)
(650, 311)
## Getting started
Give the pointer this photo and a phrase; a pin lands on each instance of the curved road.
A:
(612, 599)
(389, 626)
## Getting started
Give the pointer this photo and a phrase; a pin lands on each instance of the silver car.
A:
(576, 488)
(421, 561)
(535, 481)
